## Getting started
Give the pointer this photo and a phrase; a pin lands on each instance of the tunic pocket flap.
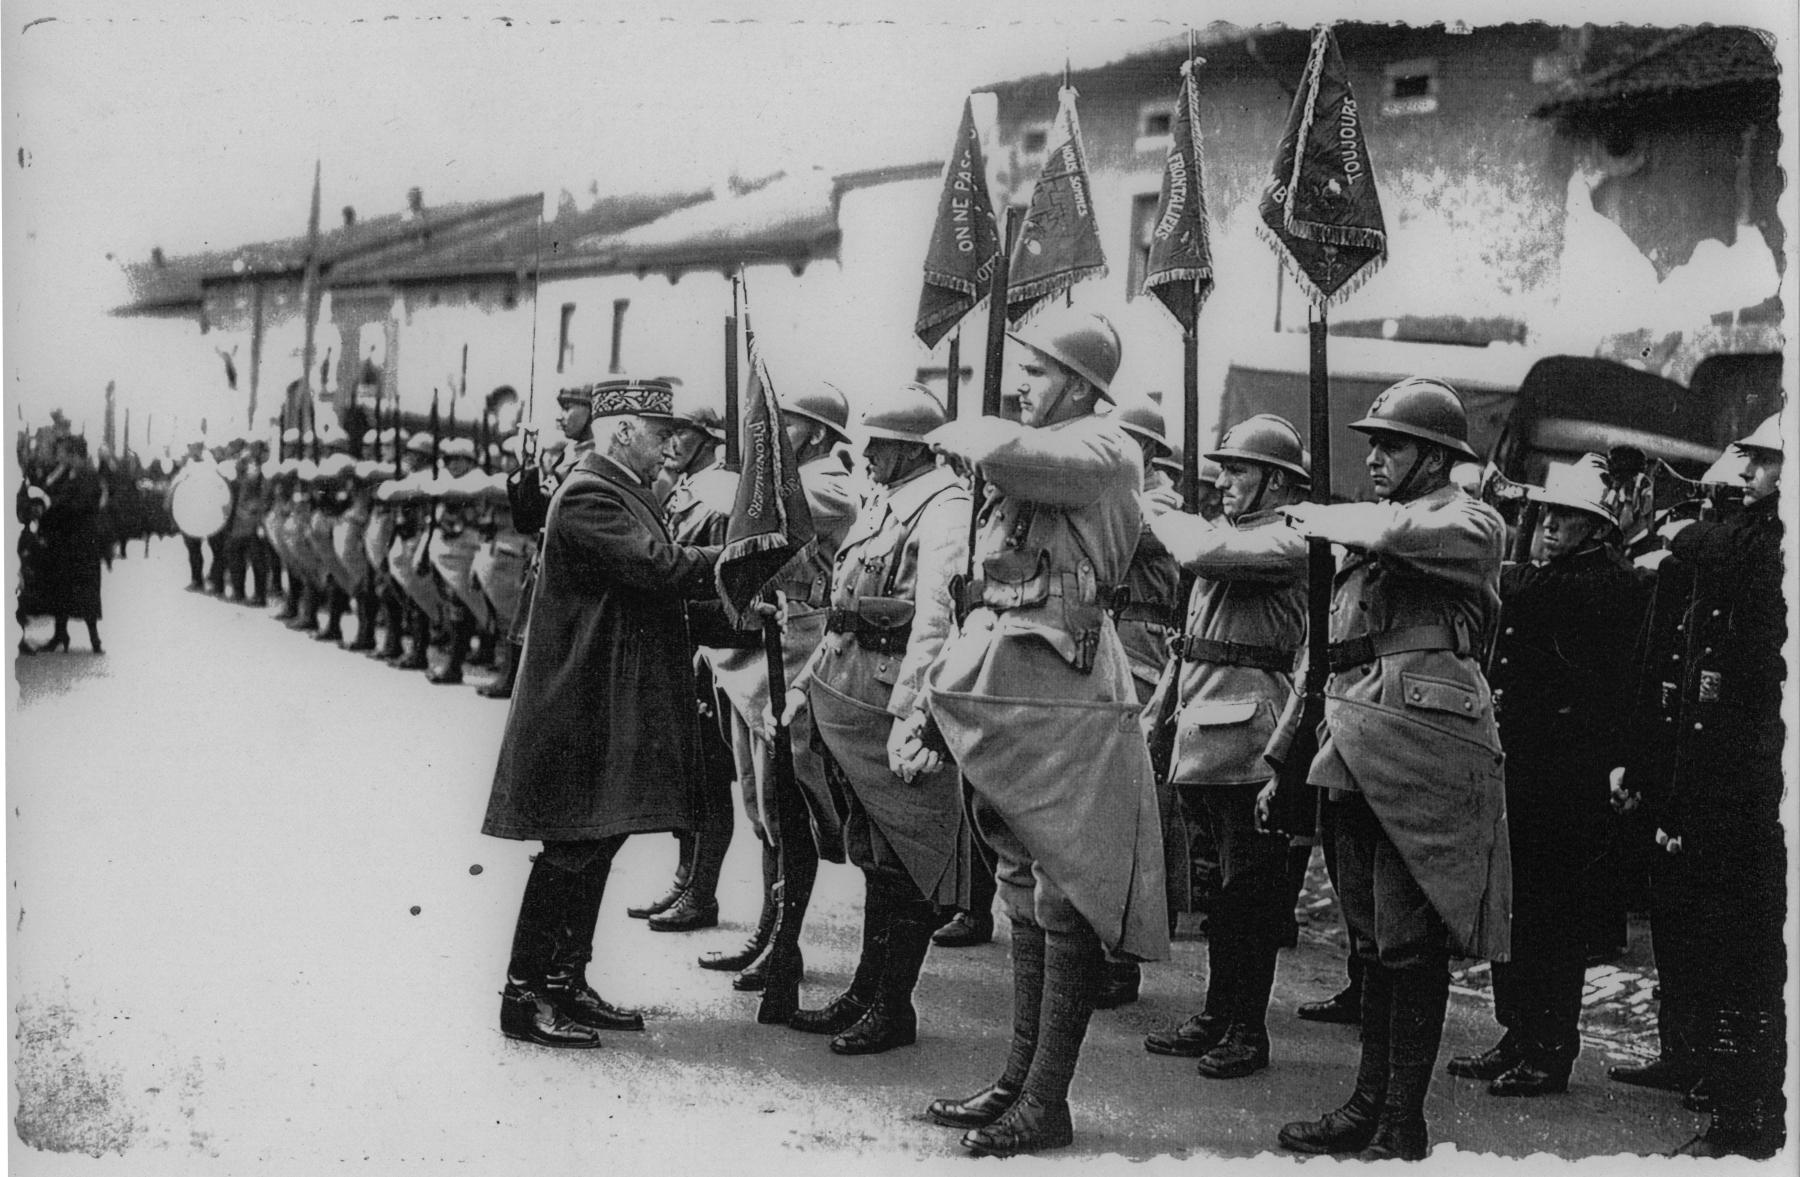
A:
(1436, 694)
(1219, 713)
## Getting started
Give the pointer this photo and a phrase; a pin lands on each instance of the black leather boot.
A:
(891, 1019)
(527, 1015)
(572, 947)
(684, 858)
(743, 957)
(783, 965)
(1191, 1039)
(992, 1102)
(848, 1007)
(306, 619)
(1420, 994)
(1491, 1063)
(1351, 1127)
(365, 622)
(1039, 1121)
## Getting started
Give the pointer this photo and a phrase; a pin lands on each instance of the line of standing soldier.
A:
(1029, 673)
(416, 560)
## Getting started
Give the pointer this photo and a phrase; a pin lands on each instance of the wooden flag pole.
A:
(953, 373)
(1190, 419)
(734, 444)
(992, 372)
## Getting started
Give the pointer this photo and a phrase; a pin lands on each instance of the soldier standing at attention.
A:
(890, 614)
(1246, 622)
(1410, 754)
(1034, 700)
(697, 511)
(1717, 801)
(1562, 674)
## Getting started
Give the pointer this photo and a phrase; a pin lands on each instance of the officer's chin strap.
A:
(1404, 493)
(1262, 486)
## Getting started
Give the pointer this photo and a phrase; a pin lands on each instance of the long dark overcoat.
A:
(602, 738)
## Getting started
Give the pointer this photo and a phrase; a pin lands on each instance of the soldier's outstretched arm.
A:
(1460, 541)
(1272, 552)
(1068, 466)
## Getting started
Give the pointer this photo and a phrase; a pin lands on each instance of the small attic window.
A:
(1156, 121)
(1410, 88)
(1033, 140)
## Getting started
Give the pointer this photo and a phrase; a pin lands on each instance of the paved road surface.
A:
(253, 929)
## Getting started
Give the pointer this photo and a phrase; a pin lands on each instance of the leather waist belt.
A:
(1147, 613)
(974, 595)
(1358, 651)
(883, 632)
(1199, 649)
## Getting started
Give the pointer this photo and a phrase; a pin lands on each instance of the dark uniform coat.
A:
(601, 736)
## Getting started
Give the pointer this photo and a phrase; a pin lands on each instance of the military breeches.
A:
(1254, 903)
(1027, 892)
(1391, 921)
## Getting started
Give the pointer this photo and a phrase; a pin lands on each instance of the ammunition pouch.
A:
(882, 625)
(1023, 579)
(1191, 648)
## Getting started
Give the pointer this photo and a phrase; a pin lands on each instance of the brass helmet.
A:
(1424, 409)
(1082, 341)
(906, 414)
(1584, 485)
(1143, 419)
(824, 404)
(1268, 439)
(1766, 436)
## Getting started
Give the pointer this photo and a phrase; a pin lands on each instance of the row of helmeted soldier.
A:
(1115, 671)
(419, 562)
(1048, 717)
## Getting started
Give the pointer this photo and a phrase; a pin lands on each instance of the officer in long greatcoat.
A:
(600, 739)
(1233, 676)
(1411, 755)
(890, 614)
(1562, 674)
(1034, 700)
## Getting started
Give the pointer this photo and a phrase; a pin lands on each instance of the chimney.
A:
(349, 216)
(156, 257)
(415, 201)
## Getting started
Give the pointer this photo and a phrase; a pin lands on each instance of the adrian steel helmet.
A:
(1421, 408)
(1143, 419)
(906, 414)
(1268, 439)
(824, 404)
(690, 408)
(1084, 342)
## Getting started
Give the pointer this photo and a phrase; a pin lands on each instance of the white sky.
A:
(193, 125)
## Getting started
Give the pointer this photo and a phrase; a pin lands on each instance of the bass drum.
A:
(201, 504)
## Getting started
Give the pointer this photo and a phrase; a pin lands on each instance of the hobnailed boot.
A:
(848, 1007)
(891, 1020)
(335, 604)
(306, 620)
(507, 663)
(290, 606)
(416, 658)
(1039, 1121)
(735, 962)
(992, 1102)
(452, 672)
(684, 861)
(1491, 1063)
(1419, 996)
(365, 622)
(1351, 1127)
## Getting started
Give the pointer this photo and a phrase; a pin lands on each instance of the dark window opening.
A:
(1157, 122)
(565, 349)
(1412, 86)
(1143, 225)
(1032, 142)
